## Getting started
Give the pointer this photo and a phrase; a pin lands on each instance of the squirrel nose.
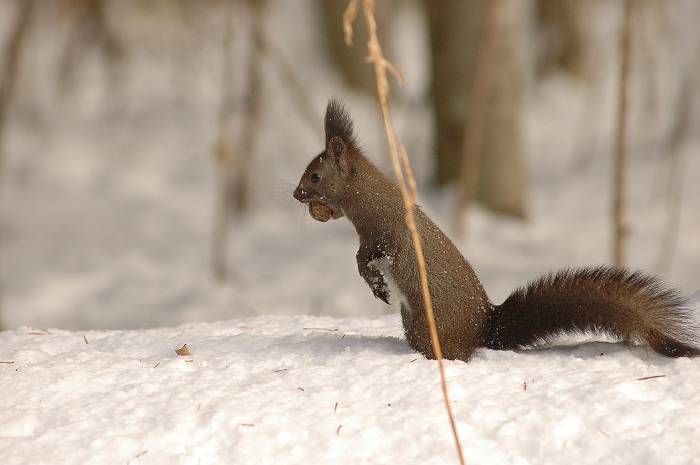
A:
(300, 194)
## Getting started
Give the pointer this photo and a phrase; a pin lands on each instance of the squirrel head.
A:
(326, 178)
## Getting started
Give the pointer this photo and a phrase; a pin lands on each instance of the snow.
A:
(302, 389)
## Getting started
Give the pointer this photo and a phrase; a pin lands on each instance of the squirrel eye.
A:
(315, 177)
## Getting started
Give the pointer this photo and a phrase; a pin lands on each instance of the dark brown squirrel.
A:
(632, 306)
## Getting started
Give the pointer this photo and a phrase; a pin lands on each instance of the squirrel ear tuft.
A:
(339, 153)
(338, 124)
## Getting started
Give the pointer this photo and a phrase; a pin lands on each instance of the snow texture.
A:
(270, 390)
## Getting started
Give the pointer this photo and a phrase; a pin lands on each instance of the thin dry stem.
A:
(348, 19)
(406, 181)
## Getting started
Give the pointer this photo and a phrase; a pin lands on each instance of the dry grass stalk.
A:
(407, 183)
(619, 231)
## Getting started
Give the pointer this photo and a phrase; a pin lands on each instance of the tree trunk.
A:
(233, 160)
(8, 80)
(454, 33)
(477, 92)
(91, 28)
(502, 181)
(561, 45)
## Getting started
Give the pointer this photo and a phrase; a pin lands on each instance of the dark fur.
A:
(631, 306)
(339, 124)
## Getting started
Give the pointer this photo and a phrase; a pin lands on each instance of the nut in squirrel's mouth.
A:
(319, 210)
(322, 212)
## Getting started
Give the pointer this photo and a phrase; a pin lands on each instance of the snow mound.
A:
(325, 390)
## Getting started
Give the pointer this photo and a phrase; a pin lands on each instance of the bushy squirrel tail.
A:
(632, 306)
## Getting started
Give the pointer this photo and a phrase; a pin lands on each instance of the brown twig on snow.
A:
(337, 431)
(619, 230)
(651, 377)
(41, 332)
(7, 363)
(404, 176)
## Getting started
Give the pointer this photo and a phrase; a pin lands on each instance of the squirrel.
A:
(632, 306)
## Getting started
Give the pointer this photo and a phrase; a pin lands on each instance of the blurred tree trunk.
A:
(620, 156)
(10, 62)
(351, 61)
(233, 160)
(91, 29)
(454, 33)
(561, 46)
(477, 93)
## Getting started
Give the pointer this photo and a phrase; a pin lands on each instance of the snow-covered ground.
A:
(105, 212)
(271, 390)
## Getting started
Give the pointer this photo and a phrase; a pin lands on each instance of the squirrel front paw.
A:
(380, 288)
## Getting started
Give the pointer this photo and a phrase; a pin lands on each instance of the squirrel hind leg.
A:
(670, 347)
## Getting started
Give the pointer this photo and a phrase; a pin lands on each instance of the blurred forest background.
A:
(149, 148)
